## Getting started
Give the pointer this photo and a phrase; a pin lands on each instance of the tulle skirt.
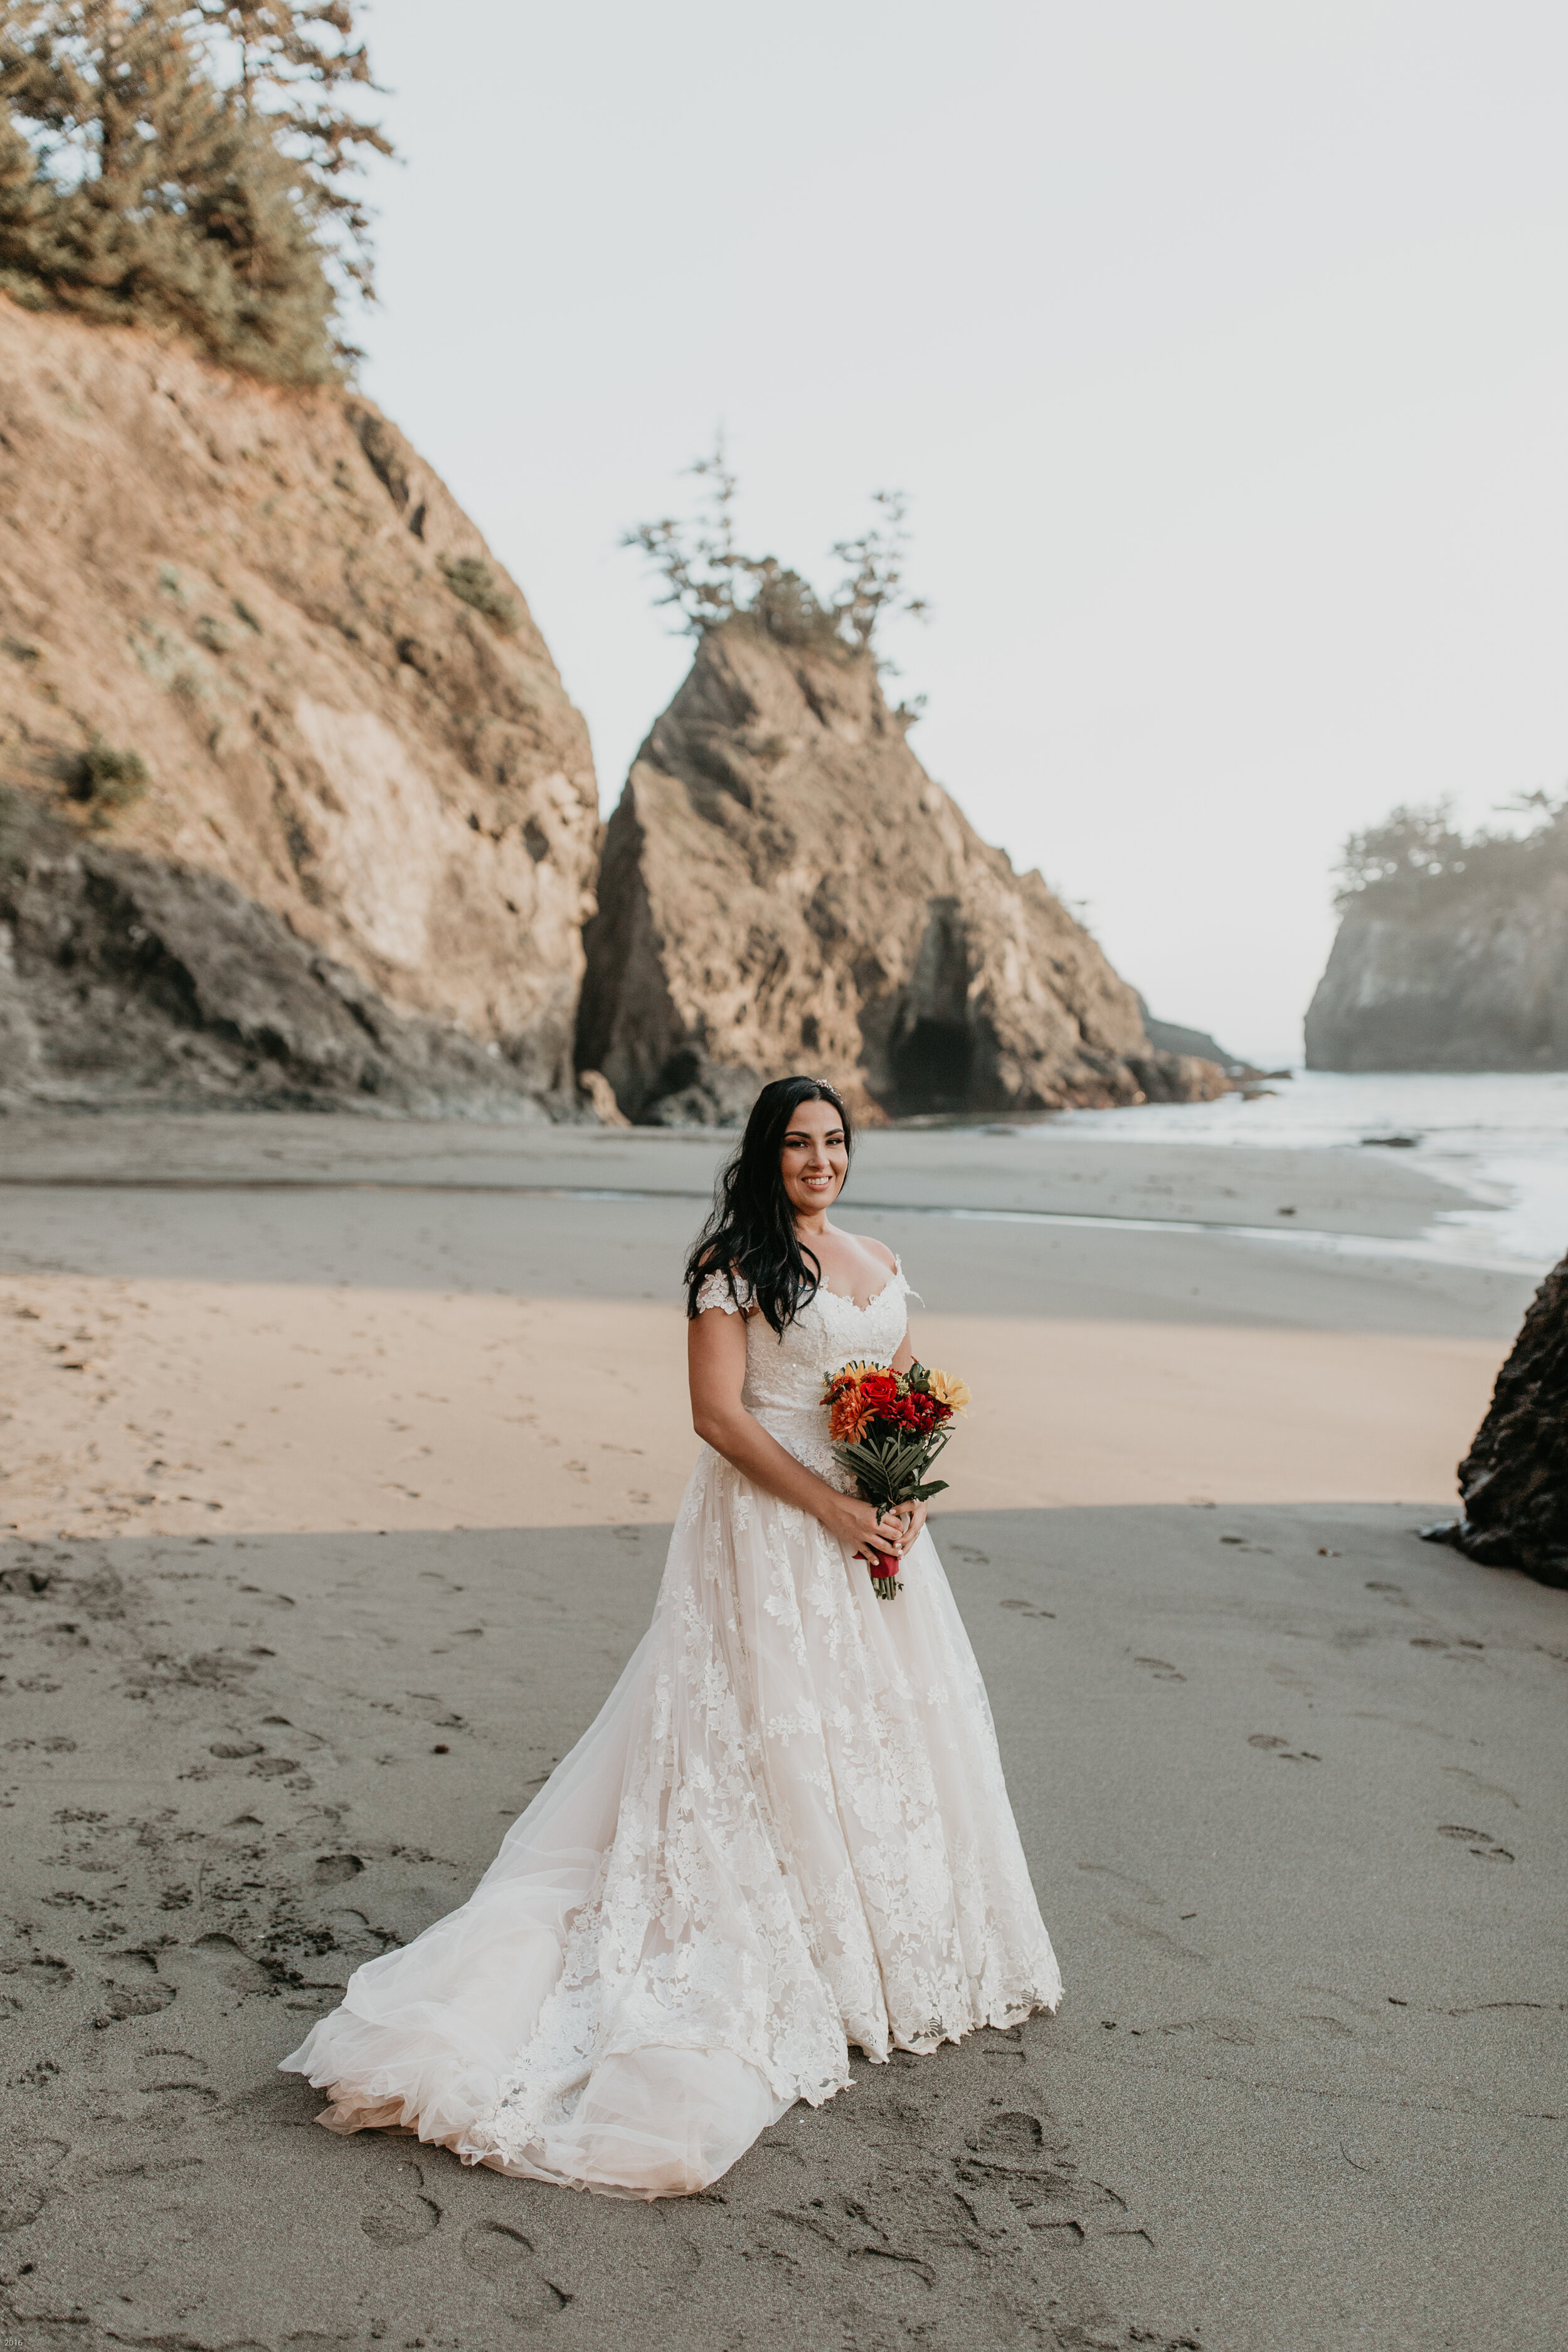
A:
(786, 1832)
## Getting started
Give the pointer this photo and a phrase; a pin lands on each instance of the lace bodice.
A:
(785, 1374)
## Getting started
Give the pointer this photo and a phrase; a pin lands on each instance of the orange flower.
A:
(850, 1413)
(853, 1395)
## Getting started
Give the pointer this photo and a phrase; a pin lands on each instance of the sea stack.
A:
(1459, 964)
(784, 887)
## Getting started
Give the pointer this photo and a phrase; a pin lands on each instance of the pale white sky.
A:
(1221, 344)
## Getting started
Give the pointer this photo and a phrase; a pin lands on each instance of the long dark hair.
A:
(750, 1235)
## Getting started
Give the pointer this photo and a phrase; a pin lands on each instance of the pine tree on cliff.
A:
(710, 580)
(181, 164)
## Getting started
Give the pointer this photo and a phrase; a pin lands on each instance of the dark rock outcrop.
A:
(248, 636)
(784, 887)
(126, 978)
(1513, 1482)
(1172, 1037)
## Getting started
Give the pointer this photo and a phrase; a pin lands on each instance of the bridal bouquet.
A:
(887, 1429)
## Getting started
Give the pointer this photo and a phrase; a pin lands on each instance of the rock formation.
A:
(296, 799)
(1173, 1037)
(1513, 1482)
(784, 887)
(1460, 971)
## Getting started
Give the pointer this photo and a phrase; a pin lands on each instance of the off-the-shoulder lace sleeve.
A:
(715, 1292)
(900, 1277)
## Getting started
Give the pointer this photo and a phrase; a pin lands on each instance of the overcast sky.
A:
(1222, 346)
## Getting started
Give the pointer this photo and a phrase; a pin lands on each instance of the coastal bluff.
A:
(295, 810)
(784, 886)
(293, 804)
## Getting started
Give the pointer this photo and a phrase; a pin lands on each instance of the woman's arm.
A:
(716, 1362)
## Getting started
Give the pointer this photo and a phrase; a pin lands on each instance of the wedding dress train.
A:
(786, 1830)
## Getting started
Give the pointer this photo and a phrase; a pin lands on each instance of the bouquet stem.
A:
(885, 1576)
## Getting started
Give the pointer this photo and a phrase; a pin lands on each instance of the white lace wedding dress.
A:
(786, 1830)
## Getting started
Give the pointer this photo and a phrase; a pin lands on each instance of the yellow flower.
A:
(947, 1390)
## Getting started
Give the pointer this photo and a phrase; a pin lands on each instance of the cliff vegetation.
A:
(187, 165)
(1452, 951)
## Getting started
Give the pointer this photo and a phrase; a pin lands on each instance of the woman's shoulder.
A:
(722, 1288)
(884, 1256)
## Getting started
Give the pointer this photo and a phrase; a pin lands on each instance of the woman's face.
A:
(814, 1158)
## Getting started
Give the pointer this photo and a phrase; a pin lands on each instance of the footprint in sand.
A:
(505, 2258)
(26, 2181)
(1162, 1669)
(1281, 1748)
(239, 1973)
(1028, 1609)
(1480, 1842)
(406, 2215)
(1481, 1787)
(334, 1869)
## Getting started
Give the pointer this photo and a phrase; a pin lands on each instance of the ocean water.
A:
(1501, 1135)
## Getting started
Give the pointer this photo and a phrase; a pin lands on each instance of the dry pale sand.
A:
(162, 1406)
(227, 1327)
(1288, 1779)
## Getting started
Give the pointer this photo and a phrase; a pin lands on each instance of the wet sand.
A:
(1288, 1778)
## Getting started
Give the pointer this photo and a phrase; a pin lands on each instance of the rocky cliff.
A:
(784, 887)
(1464, 970)
(292, 800)
(1513, 1482)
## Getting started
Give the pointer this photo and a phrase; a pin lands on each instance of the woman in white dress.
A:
(787, 1830)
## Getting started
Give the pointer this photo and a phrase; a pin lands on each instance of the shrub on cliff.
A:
(107, 779)
(181, 164)
(470, 578)
(710, 580)
(1416, 858)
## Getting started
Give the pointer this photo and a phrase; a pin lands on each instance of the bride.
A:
(787, 1830)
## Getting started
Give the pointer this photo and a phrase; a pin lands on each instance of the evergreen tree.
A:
(710, 580)
(178, 164)
(1417, 856)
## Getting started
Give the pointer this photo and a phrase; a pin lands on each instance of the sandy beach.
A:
(294, 1407)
